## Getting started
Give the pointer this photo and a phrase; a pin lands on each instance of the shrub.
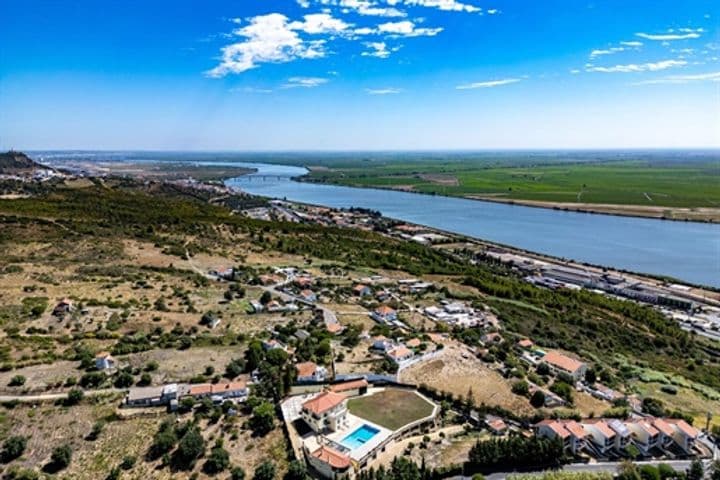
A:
(13, 448)
(61, 457)
(74, 397)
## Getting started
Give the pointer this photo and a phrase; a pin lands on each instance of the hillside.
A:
(13, 162)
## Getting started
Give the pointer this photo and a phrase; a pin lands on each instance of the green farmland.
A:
(635, 183)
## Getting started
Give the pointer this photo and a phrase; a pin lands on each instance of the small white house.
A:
(310, 372)
(104, 361)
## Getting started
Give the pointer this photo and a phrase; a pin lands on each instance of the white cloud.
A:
(383, 91)
(607, 51)
(681, 79)
(272, 38)
(666, 37)
(319, 23)
(406, 28)
(378, 49)
(637, 67)
(361, 7)
(493, 11)
(304, 82)
(633, 43)
(447, 5)
(487, 84)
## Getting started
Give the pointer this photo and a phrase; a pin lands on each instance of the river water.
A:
(684, 250)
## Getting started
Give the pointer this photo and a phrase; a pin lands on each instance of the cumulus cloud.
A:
(487, 84)
(304, 82)
(383, 91)
(319, 23)
(378, 49)
(682, 79)
(270, 39)
(637, 67)
(406, 28)
(633, 43)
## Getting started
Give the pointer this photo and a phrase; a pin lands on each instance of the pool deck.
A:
(353, 423)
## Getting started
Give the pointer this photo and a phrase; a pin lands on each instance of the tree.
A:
(124, 380)
(696, 470)
(13, 448)
(265, 297)
(265, 471)
(61, 457)
(521, 388)
(128, 462)
(296, 471)
(145, 380)
(234, 368)
(537, 399)
(237, 473)
(666, 471)
(17, 381)
(218, 460)
(627, 471)
(191, 446)
(263, 418)
(590, 376)
(715, 470)
(74, 396)
(163, 441)
(649, 472)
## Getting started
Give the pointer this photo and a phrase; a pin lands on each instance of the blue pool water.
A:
(359, 437)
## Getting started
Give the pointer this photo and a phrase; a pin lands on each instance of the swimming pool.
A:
(359, 437)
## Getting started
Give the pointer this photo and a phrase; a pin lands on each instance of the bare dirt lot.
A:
(452, 373)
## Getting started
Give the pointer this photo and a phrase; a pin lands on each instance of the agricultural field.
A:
(655, 187)
(391, 408)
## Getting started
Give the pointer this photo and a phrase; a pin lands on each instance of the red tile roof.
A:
(562, 361)
(384, 310)
(400, 352)
(332, 457)
(684, 427)
(201, 389)
(306, 369)
(324, 402)
(228, 387)
(351, 385)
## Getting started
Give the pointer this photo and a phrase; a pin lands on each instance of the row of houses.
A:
(607, 437)
(168, 395)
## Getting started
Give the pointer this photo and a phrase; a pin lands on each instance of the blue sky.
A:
(359, 74)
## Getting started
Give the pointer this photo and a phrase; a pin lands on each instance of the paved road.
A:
(610, 467)
(46, 397)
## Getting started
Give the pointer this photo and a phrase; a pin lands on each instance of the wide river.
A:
(684, 250)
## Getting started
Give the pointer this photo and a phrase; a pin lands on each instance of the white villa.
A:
(327, 411)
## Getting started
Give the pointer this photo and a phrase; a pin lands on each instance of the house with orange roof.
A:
(329, 462)
(200, 390)
(561, 363)
(325, 411)
(645, 436)
(384, 314)
(413, 343)
(362, 290)
(351, 388)
(310, 372)
(601, 435)
(665, 440)
(335, 328)
(308, 295)
(227, 390)
(400, 354)
(525, 344)
(684, 434)
(572, 434)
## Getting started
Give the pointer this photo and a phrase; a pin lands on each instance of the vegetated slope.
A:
(593, 325)
(15, 162)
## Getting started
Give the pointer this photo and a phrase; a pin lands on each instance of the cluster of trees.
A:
(516, 451)
(631, 471)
